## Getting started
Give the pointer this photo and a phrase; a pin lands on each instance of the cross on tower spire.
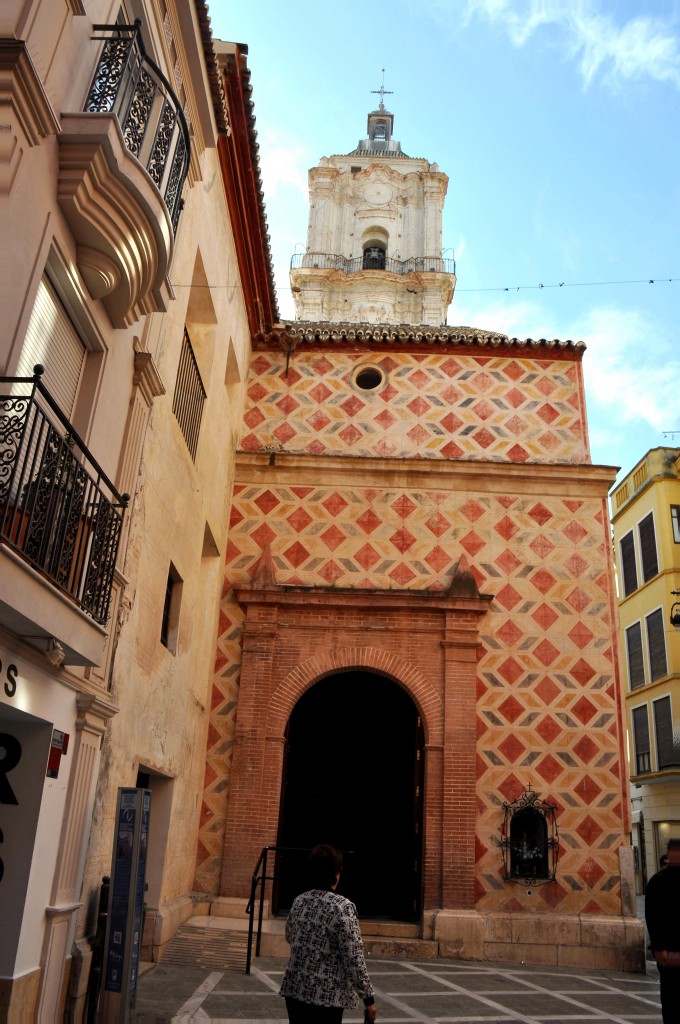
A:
(382, 91)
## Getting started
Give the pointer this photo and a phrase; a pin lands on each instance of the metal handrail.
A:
(260, 877)
(58, 509)
(328, 261)
(130, 85)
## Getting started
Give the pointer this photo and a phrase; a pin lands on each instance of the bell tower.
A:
(374, 239)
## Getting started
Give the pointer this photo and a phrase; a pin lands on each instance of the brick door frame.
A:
(425, 641)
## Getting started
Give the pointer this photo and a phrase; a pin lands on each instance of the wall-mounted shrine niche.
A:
(529, 840)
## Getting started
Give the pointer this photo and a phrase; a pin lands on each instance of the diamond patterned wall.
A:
(547, 710)
(433, 406)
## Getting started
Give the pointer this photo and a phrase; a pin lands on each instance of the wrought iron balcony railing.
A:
(128, 84)
(58, 509)
(417, 264)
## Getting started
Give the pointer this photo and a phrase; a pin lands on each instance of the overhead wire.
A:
(572, 284)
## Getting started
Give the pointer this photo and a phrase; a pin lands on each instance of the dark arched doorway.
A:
(353, 778)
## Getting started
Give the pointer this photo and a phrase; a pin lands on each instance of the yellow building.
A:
(646, 522)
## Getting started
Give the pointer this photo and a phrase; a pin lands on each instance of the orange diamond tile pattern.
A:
(467, 407)
(546, 711)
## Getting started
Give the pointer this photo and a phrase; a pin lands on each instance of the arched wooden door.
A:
(353, 778)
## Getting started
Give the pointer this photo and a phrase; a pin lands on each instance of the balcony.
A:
(123, 162)
(416, 265)
(60, 525)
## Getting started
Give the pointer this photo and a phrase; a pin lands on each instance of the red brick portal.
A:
(427, 642)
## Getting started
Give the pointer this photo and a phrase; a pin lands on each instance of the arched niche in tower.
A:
(374, 245)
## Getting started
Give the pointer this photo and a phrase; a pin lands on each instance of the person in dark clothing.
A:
(662, 914)
(326, 970)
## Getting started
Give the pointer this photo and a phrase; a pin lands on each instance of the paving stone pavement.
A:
(418, 991)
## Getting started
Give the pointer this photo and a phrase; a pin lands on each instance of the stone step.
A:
(221, 944)
(215, 949)
(395, 929)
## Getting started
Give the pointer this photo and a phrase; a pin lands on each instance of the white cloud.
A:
(283, 161)
(516, 319)
(641, 47)
(631, 372)
(631, 369)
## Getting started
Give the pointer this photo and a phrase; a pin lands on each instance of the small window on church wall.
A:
(529, 840)
(380, 133)
(368, 378)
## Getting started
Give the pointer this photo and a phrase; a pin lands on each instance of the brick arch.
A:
(304, 675)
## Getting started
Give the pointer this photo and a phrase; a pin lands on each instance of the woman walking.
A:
(326, 970)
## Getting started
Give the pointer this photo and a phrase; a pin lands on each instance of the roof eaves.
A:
(214, 77)
(257, 170)
(333, 333)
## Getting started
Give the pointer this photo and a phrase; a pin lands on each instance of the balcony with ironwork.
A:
(60, 526)
(370, 261)
(123, 161)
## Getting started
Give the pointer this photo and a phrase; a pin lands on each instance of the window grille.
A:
(189, 397)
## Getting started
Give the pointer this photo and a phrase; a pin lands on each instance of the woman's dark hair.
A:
(324, 866)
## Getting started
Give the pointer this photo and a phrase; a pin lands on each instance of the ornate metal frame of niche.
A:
(530, 800)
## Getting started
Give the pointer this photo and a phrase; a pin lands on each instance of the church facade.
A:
(416, 658)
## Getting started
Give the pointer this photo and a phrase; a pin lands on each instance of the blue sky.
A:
(557, 124)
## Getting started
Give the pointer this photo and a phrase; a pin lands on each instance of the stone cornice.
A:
(147, 378)
(94, 712)
(462, 594)
(535, 478)
(21, 90)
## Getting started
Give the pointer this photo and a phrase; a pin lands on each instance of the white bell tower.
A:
(374, 240)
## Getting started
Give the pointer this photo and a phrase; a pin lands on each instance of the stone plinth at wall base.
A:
(235, 906)
(392, 948)
(76, 997)
(460, 934)
(561, 940)
(19, 997)
(273, 942)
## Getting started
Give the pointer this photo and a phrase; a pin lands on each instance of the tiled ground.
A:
(445, 991)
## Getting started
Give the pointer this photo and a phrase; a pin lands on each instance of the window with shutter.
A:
(658, 666)
(675, 520)
(648, 556)
(636, 667)
(52, 340)
(667, 749)
(641, 740)
(629, 571)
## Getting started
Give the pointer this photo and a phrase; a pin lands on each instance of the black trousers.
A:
(309, 1013)
(669, 978)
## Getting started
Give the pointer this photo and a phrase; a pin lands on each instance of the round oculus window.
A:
(369, 378)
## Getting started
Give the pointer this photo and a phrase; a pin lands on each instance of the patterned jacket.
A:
(326, 964)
